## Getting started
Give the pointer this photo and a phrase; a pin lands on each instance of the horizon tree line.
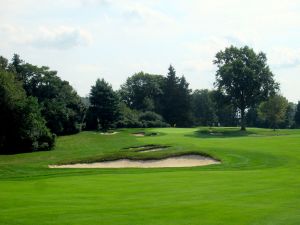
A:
(36, 105)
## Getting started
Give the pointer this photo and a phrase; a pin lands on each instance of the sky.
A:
(112, 39)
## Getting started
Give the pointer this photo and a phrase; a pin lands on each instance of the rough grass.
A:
(257, 183)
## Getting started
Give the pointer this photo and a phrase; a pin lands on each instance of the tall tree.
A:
(22, 126)
(185, 116)
(176, 100)
(297, 115)
(244, 77)
(104, 104)
(274, 110)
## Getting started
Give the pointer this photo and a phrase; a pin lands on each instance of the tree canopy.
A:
(274, 110)
(22, 126)
(143, 92)
(61, 105)
(244, 77)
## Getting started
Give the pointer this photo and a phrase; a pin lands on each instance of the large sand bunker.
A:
(176, 161)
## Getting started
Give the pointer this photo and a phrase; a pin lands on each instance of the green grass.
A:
(258, 182)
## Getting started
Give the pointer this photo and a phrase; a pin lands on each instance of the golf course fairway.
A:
(256, 183)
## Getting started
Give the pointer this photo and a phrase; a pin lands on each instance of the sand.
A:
(178, 161)
(112, 133)
(139, 134)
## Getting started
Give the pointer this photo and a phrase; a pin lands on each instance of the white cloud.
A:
(199, 55)
(145, 14)
(133, 35)
(62, 37)
(283, 57)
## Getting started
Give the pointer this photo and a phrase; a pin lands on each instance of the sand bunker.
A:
(140, 134)
(109, 133)
(176, 161)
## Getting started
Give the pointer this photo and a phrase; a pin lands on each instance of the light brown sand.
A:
(139, 134)
(113, 133)
(178, 161)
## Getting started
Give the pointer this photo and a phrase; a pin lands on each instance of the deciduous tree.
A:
(244, 77)
(143, 92)
(22, 126)
(274, 110)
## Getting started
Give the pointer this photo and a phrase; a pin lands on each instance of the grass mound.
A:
(236, 132)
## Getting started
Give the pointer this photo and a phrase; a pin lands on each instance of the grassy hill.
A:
(258, 181)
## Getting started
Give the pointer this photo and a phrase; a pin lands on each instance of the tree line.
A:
(36, 105)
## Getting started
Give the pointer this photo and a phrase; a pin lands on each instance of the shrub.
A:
(152, 119)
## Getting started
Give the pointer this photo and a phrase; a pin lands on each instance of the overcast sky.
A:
(112, 39)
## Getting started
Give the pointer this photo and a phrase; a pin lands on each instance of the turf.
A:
(258, 182)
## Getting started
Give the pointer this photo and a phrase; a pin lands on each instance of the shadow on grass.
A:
(230, 133)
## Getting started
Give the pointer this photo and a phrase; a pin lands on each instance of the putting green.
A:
(257, 183)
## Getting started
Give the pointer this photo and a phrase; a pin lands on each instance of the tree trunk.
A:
(243, 122)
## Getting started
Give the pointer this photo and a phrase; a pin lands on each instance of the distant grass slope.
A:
(258, 182)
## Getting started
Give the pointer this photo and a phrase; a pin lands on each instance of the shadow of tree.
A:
(224, 133)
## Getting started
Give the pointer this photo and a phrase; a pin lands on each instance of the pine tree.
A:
(170, 97)
(176, 100)
(104, 104)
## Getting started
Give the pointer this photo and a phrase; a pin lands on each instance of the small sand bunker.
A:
(139, 134)
(176, 161)
(142, 134)
(109, 133)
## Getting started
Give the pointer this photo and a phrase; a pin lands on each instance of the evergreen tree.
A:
(176, 100)
(104, 104)
(170, 97)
